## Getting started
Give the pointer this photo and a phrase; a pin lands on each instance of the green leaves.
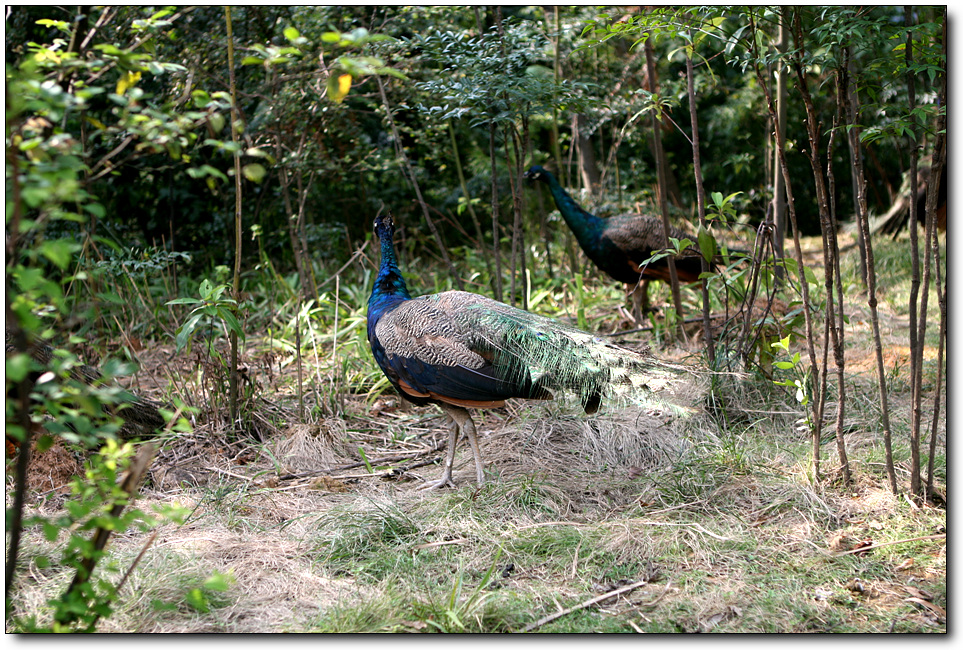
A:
(800, 382)
(270, 55)
(200, 597)
(722, 207)
(356, 37)
(211, 308)
(59, 251)
(17, 367)
(59, 25)
(492, 77)
(338, 87)
(254, 172)
(707, 244)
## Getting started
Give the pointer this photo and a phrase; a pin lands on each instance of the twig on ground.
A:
(696, 526)
(588, 603)
(651, 603)
(419, 547)
(232, 474)
(899, 541)
(552, 523)
(374, 461)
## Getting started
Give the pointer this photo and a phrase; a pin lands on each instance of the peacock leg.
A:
(640, 301)
(445, 479)
(467, 425)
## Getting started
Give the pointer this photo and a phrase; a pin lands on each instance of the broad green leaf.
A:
(18, 365)
(111, 297)
(30, 279)
(187, 329)
(96, 209)
(60, 25)
(254, 172)
(707, 244)
(127, 81)
(183, 301)
(219, 581)
(231, 321)
(58, 251)
(291, 34)
(201, 98)
(196, 599)
(338, 87)
(206, 289)
(217, 121)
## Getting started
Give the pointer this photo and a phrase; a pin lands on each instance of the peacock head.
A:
(389, 281)
(537, 173)
(384, 226)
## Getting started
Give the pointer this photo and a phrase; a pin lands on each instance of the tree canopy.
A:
(139, 98)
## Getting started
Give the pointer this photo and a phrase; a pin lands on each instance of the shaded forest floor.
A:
(710, 522)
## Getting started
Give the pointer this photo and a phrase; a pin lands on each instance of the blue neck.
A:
(586, 226)
(389, 285)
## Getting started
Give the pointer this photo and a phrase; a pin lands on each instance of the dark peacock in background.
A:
(621, 245)
(141, 416)
(460, 350)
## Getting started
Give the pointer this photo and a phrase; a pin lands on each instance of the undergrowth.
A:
(718, 513)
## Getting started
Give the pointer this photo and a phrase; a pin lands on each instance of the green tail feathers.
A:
(562, 358)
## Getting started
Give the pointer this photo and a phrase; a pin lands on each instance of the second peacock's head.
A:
(536, 173)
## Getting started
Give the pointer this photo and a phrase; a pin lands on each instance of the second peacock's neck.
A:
(586, 226)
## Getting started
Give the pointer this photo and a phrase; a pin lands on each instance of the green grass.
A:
(725, 518)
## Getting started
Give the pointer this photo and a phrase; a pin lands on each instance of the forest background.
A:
(191, 190)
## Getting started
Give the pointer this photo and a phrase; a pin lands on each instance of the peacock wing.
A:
(639, 236)
(433, 351)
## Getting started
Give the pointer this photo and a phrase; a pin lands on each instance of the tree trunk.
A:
(235, 118)
(663, 205)
(834, 321)
(700, 203)
(862, 218)
(778, 183)
(797, 246)
(586, 158)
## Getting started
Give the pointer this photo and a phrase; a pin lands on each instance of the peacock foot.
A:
(444, 481)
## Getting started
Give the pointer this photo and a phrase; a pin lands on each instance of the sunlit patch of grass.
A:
(351, 533)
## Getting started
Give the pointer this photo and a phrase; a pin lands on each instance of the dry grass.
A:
(718, 512)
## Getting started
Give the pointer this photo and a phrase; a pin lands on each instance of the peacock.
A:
(621, 245)
(461, 350)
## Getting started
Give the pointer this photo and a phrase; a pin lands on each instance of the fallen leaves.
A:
(924, 600)
(329, 483)
(862, 547)
(729, 613)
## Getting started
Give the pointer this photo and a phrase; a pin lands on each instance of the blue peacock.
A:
(460, 350)
(621, 245)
